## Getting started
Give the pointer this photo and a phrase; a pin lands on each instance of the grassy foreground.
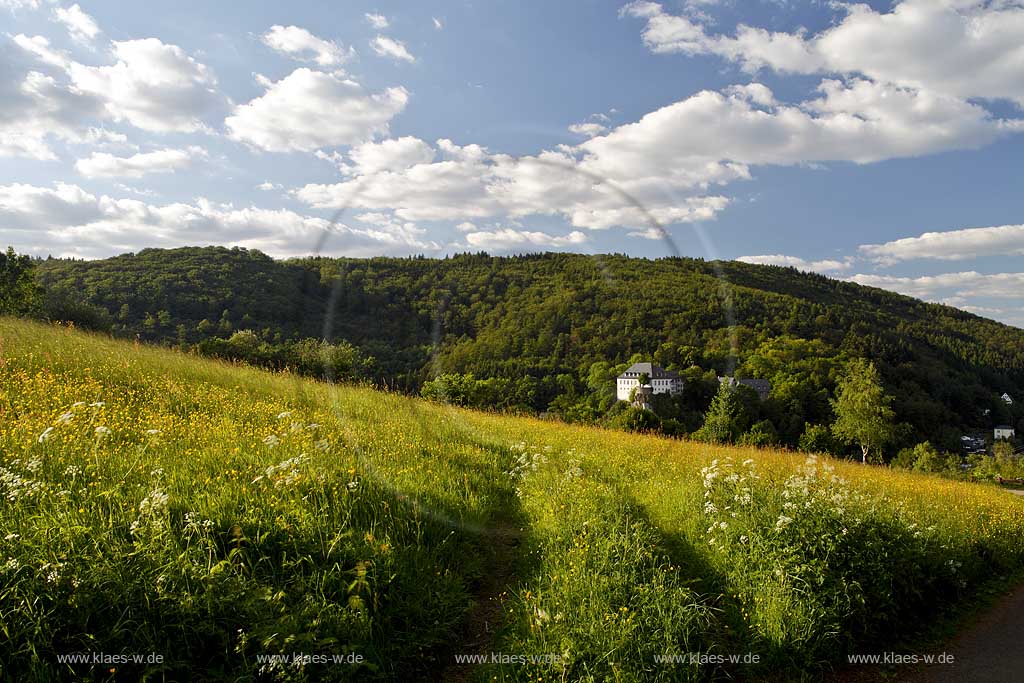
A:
(153, 504)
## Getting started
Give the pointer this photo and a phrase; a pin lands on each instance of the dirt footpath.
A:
(988, 650)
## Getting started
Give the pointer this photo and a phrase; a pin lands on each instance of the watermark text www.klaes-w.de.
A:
(302, 658)
(110, 658)
(508, 658)
(290, 659)
(707, 658)
(900, 658)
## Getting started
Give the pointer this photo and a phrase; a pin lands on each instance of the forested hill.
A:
(554, 327)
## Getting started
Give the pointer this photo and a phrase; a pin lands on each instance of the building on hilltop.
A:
(660, 380)
(762, 386)
(1004, 432)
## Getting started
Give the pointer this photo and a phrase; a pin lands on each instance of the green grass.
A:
(216, 514)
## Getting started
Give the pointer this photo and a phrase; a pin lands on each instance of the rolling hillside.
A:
(554, 327)
(238, 523)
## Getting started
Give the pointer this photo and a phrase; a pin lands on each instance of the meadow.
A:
(238, 523)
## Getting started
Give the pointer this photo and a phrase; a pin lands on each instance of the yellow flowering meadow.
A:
(234, 521)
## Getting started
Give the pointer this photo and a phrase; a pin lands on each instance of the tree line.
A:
(548, 333)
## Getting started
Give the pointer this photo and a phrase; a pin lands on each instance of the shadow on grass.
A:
(498, 564)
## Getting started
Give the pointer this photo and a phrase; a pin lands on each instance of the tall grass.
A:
(215, 514)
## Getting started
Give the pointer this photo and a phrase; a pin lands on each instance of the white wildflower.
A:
(194, 523)
(154, 504)
(286, 472)
(152, 511)
(15, 486)
(52, 571)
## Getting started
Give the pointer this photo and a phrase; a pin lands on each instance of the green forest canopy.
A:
(548, 332)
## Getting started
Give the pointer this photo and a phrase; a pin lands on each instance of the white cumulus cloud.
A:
(309, 109)
(300, 44)
(65, 220)
(392, 49)
(960, 48)
(36, 110)
(39, 47)
(662, 168)
(588, 129)
(951, 245)
(469, 182)
(966, 284)
(968, 290)
(378, 21)
(81, 27)
(17, 5)
(821, 266)
(389, 155)
(510, 238)
(153, 86)
(105, 165)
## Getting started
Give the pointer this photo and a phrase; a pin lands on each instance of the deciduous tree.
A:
(863, 413)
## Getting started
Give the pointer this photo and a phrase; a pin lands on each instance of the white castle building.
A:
(660, 380)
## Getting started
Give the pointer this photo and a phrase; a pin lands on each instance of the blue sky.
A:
(877, 142)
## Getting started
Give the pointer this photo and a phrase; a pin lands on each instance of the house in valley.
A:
(1004, 432)
(973, 443)
(762, 386)
(660, 380)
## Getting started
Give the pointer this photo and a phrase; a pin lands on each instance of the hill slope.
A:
(222, 516)
(542, 322)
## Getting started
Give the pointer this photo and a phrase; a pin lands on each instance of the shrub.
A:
(820, 565)
(762, 434)
(818, 439)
